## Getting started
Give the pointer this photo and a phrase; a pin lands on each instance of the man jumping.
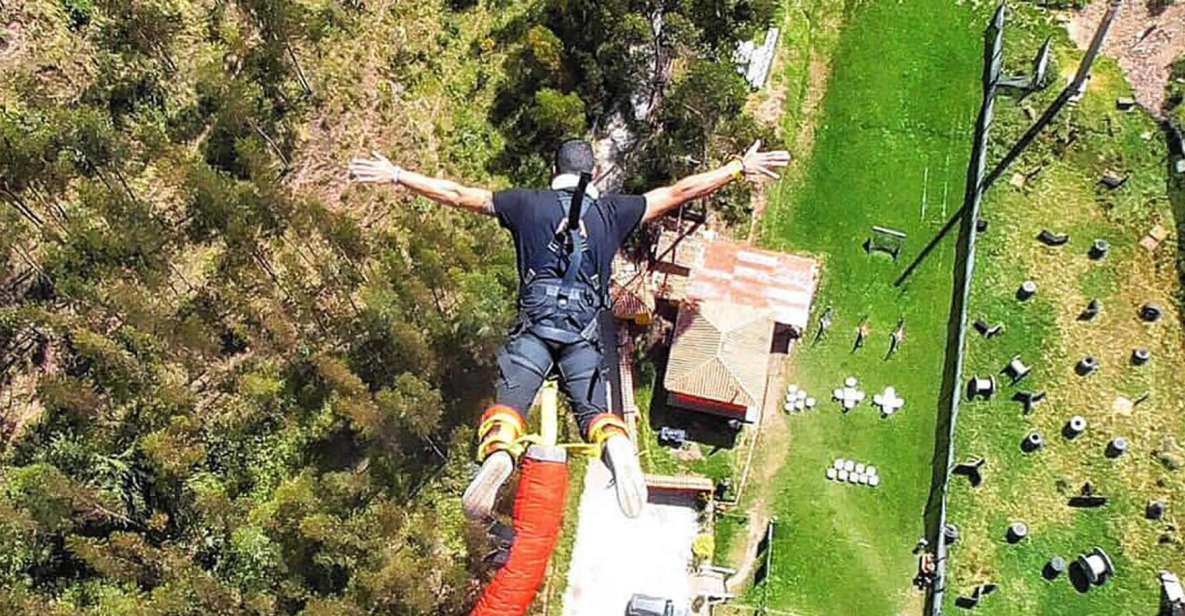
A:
(564, 279)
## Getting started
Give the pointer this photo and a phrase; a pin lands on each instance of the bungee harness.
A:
(561, 304)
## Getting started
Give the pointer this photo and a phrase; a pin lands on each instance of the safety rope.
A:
(601, 428)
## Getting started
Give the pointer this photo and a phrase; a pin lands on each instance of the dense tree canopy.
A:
(228, 395)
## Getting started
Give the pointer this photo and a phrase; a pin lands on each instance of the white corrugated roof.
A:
(745, 276)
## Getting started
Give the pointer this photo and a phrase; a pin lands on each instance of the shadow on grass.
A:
(966, 603)
(951, 387)
(921, 258)
(1078, 578)
(1175, 187)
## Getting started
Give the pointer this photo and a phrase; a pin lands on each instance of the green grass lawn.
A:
(891, 149)
(1064, 196)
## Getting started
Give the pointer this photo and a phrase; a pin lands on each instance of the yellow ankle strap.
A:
(501, 429)
(604, 426)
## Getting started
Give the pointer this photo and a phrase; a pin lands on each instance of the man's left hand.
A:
(757, 164)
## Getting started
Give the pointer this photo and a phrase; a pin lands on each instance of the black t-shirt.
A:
(533, 216)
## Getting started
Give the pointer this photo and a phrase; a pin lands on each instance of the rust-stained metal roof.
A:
(678, 251)
(630, 289)
(749, 277)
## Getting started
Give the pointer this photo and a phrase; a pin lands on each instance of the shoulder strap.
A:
(573, 253)
(564, 201)
(575, 213)
(570, 239)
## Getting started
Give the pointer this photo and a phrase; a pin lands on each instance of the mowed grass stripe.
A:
(895, 129)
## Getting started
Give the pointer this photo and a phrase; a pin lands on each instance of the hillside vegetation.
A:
(232, 384)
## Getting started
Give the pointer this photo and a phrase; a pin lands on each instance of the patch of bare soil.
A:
(771, 441)
(11, 37)
(770, 110)
(319, 167)
(38, 48)
(19, 405)
(1145, 40)
(820, 74)
(368, 109)
(13, 46)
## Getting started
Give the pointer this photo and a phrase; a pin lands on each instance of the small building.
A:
(741, 304)
(753, 62)
(718, 360)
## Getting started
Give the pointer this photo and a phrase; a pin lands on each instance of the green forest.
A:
(230, 383)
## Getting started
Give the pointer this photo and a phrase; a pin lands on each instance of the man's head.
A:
(574, 156)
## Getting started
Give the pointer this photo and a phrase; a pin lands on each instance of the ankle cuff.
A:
(604, 426)
(501, 429)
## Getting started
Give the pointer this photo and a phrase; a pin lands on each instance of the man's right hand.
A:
(377, 170)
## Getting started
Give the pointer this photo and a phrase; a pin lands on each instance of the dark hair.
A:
(574, 156)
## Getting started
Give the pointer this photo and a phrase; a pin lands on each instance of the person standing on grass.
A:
(863, 330)
(897, 337)
(561, 293)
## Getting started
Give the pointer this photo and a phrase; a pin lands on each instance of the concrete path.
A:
(615, 557)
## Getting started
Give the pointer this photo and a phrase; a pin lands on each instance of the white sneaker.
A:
(622, 460)
(478, 500)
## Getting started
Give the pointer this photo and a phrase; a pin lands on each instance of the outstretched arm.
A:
(379, 170)
(753, 165)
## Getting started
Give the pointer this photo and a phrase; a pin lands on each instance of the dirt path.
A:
(772, 441)
(770, 109)
(773, 434)
(1144, 40)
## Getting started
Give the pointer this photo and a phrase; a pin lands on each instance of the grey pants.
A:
(526, 360)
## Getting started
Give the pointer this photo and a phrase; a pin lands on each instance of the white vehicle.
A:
(645, 605)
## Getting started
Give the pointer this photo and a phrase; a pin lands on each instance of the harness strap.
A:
(575, 244)
(556, 334)
(574, 272)
(566, 301)
(575, 261)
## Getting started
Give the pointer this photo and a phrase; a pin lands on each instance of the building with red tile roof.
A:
(735, 298)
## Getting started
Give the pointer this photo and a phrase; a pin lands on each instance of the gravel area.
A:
(1144, 40)
(615, 557)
